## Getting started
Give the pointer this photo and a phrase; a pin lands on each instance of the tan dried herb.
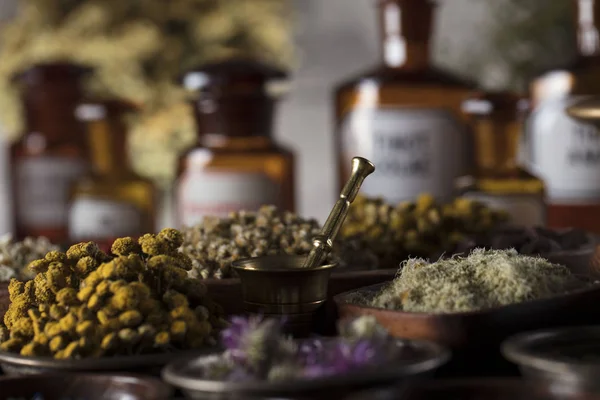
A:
(216, 242)
(484, 279)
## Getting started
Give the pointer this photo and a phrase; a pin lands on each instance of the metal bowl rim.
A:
(438, 356)
(100, 363)
(340, 301)
(515, 349)
(157, 384)
(242, 265)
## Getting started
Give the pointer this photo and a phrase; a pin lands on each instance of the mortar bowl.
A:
(278, 287)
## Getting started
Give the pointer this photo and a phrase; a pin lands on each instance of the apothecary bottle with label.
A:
(563, 152)
(113, 201)
(404, 115)
(497, 121)
(51, 154)
(236, 164)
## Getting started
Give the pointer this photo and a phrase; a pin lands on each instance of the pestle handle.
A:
(323, 242)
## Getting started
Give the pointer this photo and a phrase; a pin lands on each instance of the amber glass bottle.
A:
(404, 115)
(563, 152)
(113, 201)
(51, 154)
(236, 165)
(497, 123)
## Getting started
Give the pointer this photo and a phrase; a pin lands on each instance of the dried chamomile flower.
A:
(215, 243)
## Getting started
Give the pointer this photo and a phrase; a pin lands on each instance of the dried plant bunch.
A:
(86, 303)
(137, 50)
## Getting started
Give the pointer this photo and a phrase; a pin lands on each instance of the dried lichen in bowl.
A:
(482, 280)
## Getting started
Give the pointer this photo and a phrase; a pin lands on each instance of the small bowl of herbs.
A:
(260, 360)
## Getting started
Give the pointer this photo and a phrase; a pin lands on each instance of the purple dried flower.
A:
(252, 342)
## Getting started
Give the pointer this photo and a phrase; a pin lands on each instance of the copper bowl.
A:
(475, 389)
(84, 386)
(475, 337)
(566, 356)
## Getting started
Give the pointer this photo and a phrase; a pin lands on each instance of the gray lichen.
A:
(484, 279)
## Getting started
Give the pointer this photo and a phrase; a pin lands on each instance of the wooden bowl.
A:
(83, 386)
(475, 337)
(475, 389)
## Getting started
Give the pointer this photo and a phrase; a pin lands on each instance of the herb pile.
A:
(484, 279)
(86, 303)
(423, 228)
(256, 349)
(216, 242)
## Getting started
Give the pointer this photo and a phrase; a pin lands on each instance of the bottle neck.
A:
(588, 32)
(495, 145)
(108, 145)
(225, 116)
(405, 33)
(50, 110)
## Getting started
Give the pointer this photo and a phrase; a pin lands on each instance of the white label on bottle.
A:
(524, 210)
(565, 153)
(42, 185)
(94, 219)
(201, 194)
(414, 151)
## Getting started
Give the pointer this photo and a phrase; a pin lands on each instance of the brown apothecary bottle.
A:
(236, 164)
(51, 154)
(565, 153)
(497, 121)
(112, 201)
(404, 115)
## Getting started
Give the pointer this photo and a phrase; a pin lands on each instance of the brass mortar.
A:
(277, 286)
(295, 287)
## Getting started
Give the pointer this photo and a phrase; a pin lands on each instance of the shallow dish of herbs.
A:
(260, 361)
(472, 303)
(569, 356)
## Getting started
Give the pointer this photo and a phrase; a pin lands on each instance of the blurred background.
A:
(498, 44)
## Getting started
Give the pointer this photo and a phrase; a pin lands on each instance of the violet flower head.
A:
(251, 341)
